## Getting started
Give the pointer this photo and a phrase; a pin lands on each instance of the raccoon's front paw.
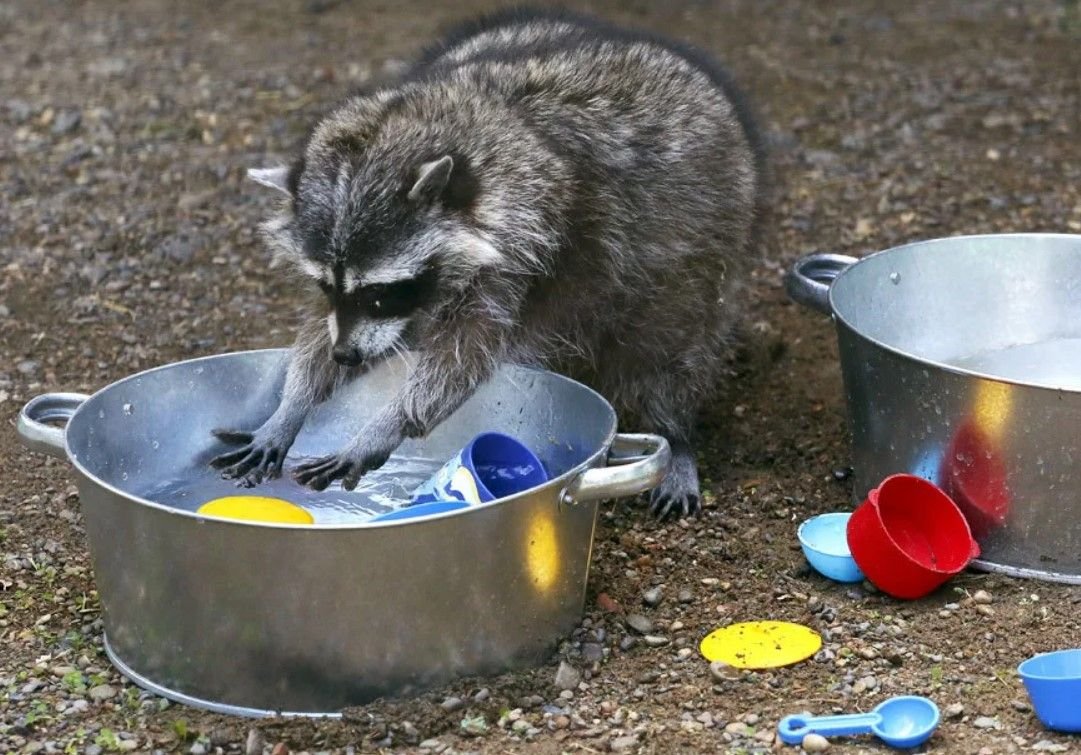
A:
(678, 494)
(348, 466)
(259, 458)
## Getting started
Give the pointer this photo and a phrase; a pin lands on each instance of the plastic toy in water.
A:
(901, 722)
(421, 510)
(254, 508)
(761, 644)
(491, 466)
(908, 538)
(824, 540)
(1053, 683)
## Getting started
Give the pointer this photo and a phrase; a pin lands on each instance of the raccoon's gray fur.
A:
(544, 189)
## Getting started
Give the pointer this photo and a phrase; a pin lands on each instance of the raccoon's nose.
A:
(347, 355)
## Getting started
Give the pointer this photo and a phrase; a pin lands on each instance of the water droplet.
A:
(199, 370)
(155, 445)
(101, 414)
(895, 278)
(123, 475)
(128, 409)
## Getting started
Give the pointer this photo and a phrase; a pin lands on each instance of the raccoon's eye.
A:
(399, 299)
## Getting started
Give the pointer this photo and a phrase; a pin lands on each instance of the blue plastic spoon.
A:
(901, 722)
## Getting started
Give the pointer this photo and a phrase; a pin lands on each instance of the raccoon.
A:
(542, 188)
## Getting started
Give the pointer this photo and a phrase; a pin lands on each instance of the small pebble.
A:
(567, 677)
(721, 671)
(986, 722)
(655, 641)
(982, 596)
(815, 743)
(985, 610)
(627, 643)
(675, 626)
(482, 695)
(639, 623)
(652, 597)
(255, 743)
(685, 596)
(955, 710)
(452, 704)
(102, 692)
(738, 729)
(592, 651)
(619, 744)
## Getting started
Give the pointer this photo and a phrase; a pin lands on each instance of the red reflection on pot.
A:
(974, 475)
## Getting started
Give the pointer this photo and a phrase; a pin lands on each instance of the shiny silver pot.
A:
(961, 362)
(261, 619)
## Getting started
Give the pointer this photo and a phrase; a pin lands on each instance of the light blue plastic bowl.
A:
(1053, 683)
(824, 539)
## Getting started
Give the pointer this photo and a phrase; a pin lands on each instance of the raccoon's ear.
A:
(432, 179)
(274, 178)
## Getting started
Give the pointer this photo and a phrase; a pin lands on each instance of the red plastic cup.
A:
(909, 537)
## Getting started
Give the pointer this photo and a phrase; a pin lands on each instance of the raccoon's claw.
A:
(347, 467)
(663, 504)
(233, 437)
(679, 494)
(321, 472)
(250, 464)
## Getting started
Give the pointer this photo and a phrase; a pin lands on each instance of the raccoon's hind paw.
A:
(256, 460)
(664, 503)
(678, 494)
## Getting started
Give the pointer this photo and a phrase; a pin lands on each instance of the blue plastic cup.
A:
(824, 540)
(491, 466)
(1053, 683)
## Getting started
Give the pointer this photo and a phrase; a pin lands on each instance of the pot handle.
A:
(38, 436)
(636, 463)
(808, 282)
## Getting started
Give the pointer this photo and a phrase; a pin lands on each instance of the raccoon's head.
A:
(388, 237)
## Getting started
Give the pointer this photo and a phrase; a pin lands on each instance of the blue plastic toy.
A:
(491, 466)
(1053, 683)
(900, 722)
(422, 509)
(824, 541)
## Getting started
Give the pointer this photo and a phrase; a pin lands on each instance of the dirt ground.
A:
(127, 238)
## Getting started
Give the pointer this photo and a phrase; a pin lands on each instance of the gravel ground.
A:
(127, 241)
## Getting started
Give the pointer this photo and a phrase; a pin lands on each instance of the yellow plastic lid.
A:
(761, 644)
(255, 508)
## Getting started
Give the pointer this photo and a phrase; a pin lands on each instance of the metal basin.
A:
(261, 619)
(961, 362)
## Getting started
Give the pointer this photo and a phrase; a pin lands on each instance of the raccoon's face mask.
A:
(368, 322)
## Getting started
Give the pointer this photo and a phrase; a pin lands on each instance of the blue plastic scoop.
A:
(901, 722)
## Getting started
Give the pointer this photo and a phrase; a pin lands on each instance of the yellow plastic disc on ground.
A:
(253, 508)
(761, 644)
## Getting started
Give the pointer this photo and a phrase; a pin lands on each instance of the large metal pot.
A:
(261, 619)
(961, 362)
